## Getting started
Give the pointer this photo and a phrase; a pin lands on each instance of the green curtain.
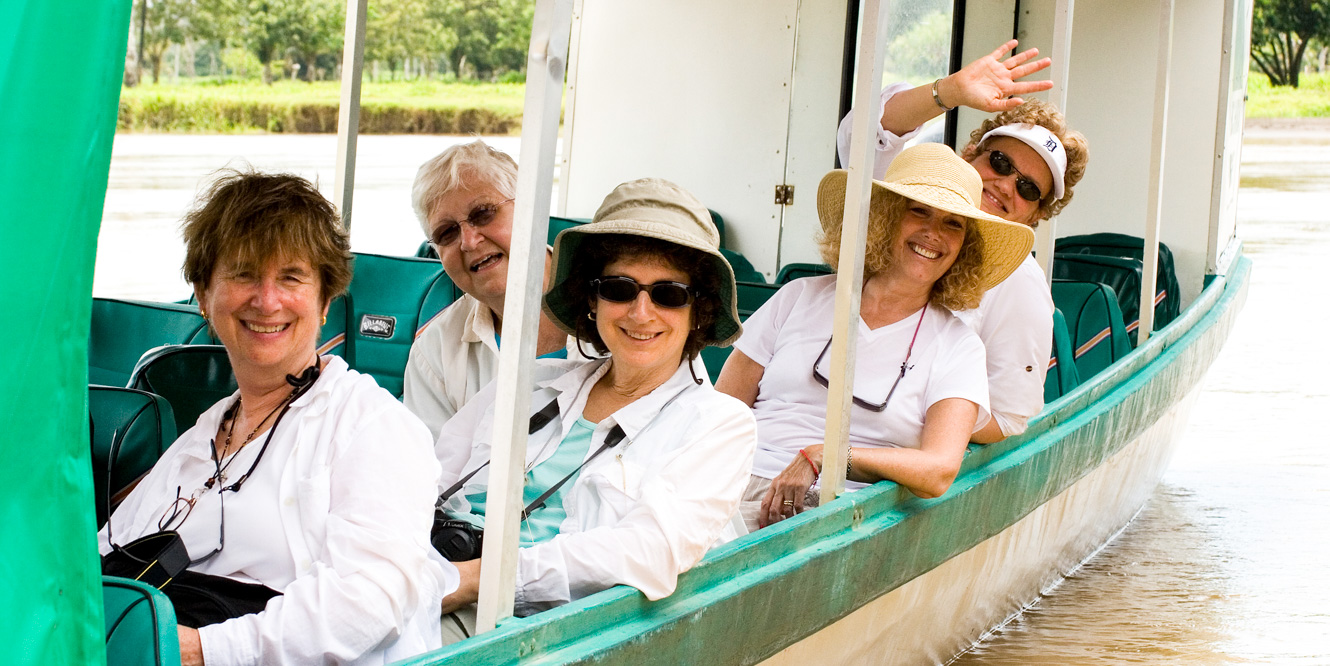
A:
(61, 65)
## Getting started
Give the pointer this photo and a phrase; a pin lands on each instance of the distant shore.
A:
(1285, 124)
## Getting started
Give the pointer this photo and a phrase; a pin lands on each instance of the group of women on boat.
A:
(636, 465)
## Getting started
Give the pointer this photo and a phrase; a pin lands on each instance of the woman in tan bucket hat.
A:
(920, 388)
(655, 458)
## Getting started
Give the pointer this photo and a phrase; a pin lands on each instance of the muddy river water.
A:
(1226, 564)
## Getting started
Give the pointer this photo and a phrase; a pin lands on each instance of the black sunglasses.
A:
(620, 289)
(1001, 164)
(449, 231)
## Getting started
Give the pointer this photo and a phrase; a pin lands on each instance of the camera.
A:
(457, 540)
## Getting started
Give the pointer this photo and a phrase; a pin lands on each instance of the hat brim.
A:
(1006, 244)
(561, 310)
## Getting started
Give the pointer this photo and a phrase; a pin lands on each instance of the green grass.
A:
(292, 106)
(1311, 99)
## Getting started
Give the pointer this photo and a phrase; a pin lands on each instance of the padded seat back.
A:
(332, 337)
(191, 377)
(790, 272)
(140, 625)
(743, 269)
(122, 330)
(1116, 260)
(714, 359)
(1062, 375)
(752, 295)
(130, 430)
(1094, 323)
(389, 299)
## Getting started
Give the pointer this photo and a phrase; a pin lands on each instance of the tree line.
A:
(1283, 31)
(469, 39)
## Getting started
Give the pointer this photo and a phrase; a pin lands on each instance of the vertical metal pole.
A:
(546, 62)
(1155, 198)
(1045, 235)
(854, 234)
(348, 115)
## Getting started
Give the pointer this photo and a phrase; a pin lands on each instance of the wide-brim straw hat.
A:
(932, 174)
(652, 208)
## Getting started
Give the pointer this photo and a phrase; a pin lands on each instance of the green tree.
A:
(166, 22)
(491, 35)
(1281, 30)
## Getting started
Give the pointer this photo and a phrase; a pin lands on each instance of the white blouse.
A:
(336, 517)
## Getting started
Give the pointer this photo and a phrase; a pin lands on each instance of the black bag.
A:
(160, 560)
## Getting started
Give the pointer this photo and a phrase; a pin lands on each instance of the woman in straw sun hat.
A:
(666, 456)
(1029, 161)
(919, 388)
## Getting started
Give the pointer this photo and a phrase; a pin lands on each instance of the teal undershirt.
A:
(562, 352)
(544, 523)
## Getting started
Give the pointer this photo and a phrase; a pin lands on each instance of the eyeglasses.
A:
(620, 289)
(448, 231)
(1001, 164)
(870, 406)
(179, 511)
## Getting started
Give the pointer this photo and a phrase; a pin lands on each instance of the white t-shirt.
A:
(1015, 322)
(787, 334)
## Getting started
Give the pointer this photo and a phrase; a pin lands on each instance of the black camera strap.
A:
(615, 436)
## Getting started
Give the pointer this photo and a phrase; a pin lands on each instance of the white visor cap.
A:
(1043, 142)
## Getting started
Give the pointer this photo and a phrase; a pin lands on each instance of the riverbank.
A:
(402, 107)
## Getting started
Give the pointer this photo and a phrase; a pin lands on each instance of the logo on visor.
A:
(377, 326)
(1051, 144)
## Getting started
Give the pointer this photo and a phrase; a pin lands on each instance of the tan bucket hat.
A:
(653, 208)
(932, 174)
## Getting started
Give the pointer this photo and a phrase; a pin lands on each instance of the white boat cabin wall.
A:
(732, 99)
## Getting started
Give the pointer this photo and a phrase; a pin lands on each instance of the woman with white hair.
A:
(463, 199)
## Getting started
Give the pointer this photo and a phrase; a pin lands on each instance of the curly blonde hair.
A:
(1036, 112)
(960, 288)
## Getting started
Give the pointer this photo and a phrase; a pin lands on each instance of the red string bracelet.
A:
(816, 471)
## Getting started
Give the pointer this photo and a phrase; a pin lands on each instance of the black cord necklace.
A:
(299, 386)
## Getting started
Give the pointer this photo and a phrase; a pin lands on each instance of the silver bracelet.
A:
(938, 100)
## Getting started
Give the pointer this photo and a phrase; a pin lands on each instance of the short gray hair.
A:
(459, 166)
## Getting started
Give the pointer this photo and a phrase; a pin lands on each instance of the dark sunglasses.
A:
(449, 231)
(1001, 164)
(620, 289)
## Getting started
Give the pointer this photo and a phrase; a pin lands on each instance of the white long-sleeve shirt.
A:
(1014, 320)
(455, 357)
(639, 514)
(341, 503)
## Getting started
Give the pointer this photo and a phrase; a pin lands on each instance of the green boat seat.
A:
(1094, 322)
(122, 330)
(1062, 375)
(743, 269)
(140, 625)
(426, 251)
(389, 300)
(332, 337)
(790, 272)
(714, 359)
(130, 430)
(1115, 260)
(191, 378)
(750, 296)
